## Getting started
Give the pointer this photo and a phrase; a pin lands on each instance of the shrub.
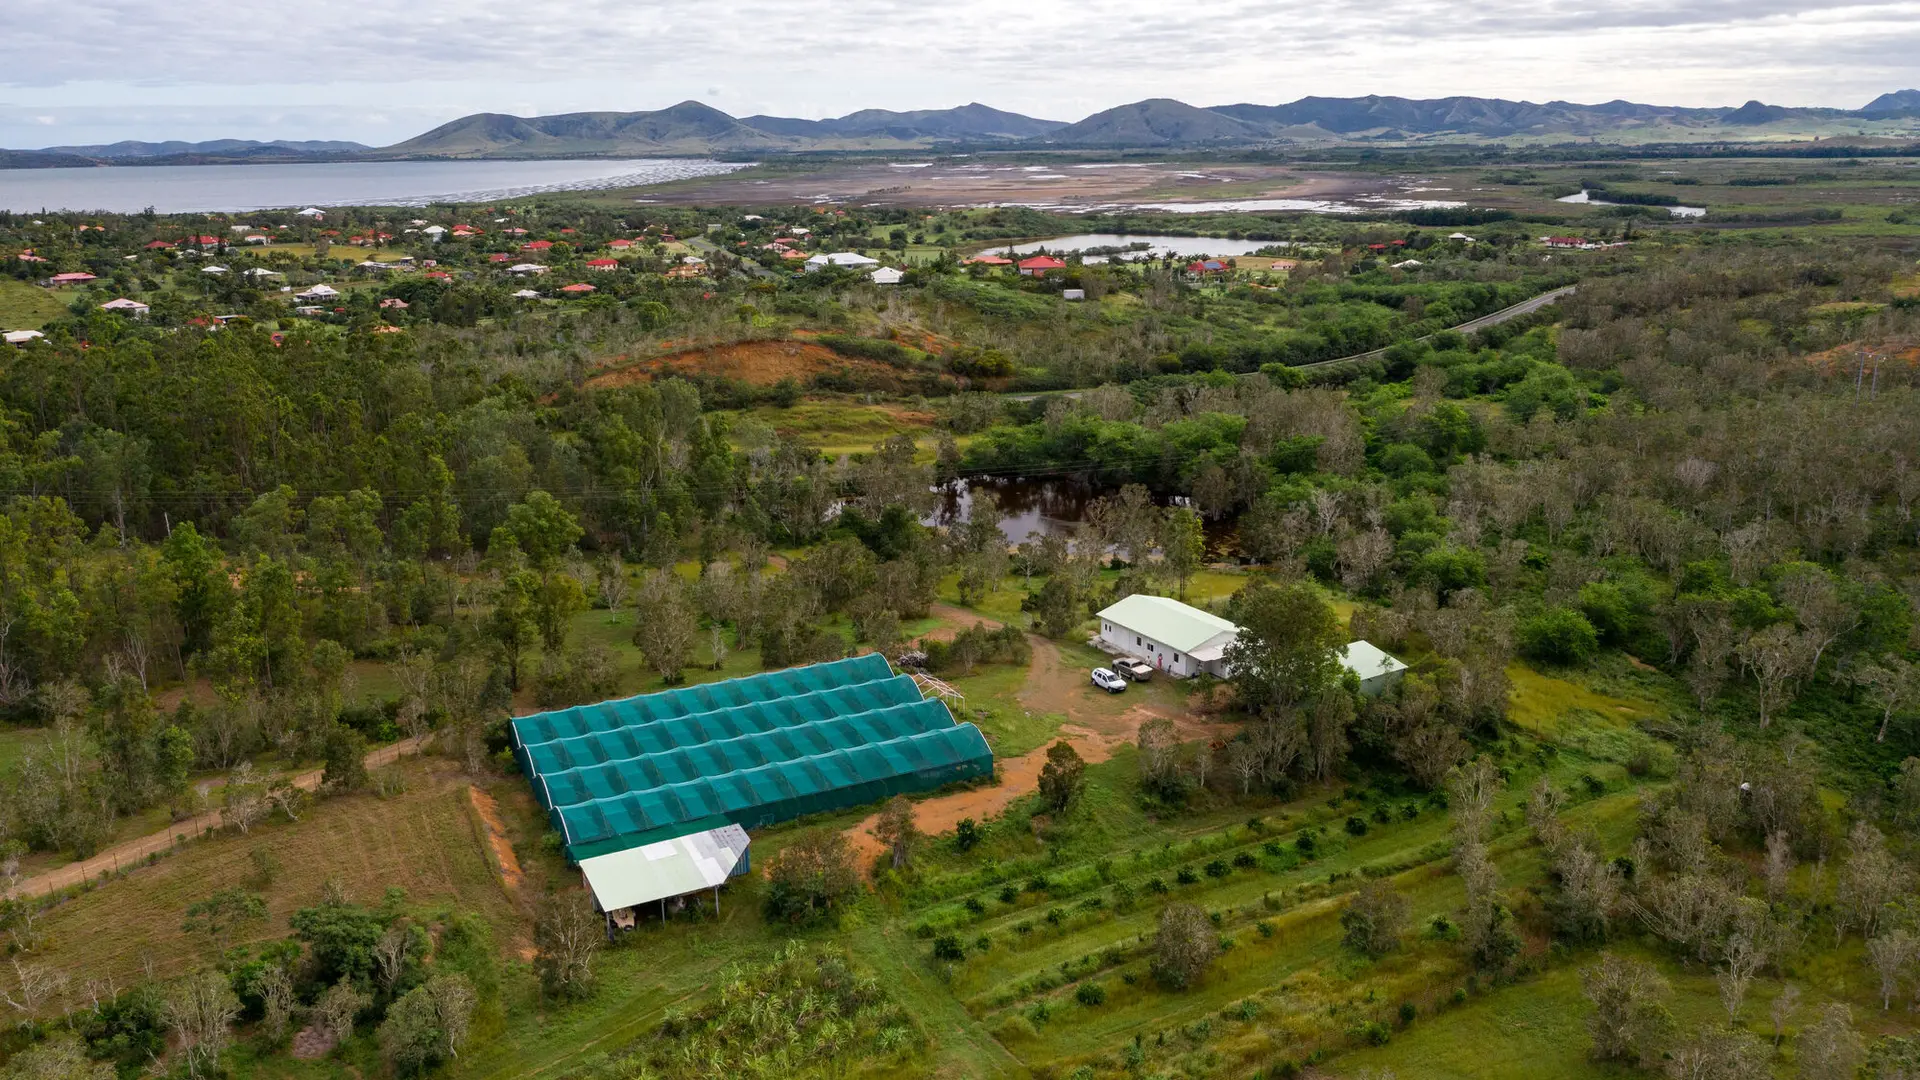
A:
(974, 906)
(1356, 826)
(1559, 636)
(1186, 876)
(1009, 895)
(1245, 861)
(948, 947)
(1407, 1013)
(966, 834)
(1218, 868)
(1092, 995)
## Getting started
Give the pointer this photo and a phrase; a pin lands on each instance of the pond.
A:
(1586, 198)
(1032, 508)
(1181, 247)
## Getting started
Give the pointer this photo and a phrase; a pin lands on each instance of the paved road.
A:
(133, 852)
(1524, 307)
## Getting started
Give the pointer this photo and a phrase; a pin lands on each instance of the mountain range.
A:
(693, 128)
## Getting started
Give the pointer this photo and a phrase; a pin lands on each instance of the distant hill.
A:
(693, 128)
(42, 159)
(1158, 122)
(215, 147)
(966, 123)
(688, 127)
(1900, 101)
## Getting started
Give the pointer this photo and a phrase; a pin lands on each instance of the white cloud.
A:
(378, 72)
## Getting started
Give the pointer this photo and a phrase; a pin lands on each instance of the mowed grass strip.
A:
(420, 840)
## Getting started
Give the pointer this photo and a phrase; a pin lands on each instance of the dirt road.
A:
(1051, 687)
(132, 852)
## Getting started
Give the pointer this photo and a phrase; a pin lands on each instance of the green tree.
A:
(428, 1024)
(1183, 547)
(559, 598)
(666, 624)
(513, 624)
(202, 590)
(544, 529)
(1062, 777)
(1288, 646)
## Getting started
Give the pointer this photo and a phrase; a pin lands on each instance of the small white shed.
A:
(1377, 670)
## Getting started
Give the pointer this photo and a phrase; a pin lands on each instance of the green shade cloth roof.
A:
(749, 752)
(707, 697)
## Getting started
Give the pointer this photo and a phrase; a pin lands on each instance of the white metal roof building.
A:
(851, 260)
(1377, 670)
(1176, 638)
(665, 870)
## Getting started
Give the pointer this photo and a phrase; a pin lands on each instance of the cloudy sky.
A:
(377, 71)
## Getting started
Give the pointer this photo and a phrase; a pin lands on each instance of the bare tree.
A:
(1892, 685)
(566, 936)
(1741, 959)
(1830, 1047)
(245, 799)
(1871, 879)
(1891, 955)
(1778, 869)
(1776, 657)
(898, 831)
(337, 1007)
(1823, 611)
(200, 1010)
(1630, 1021)
(391, 952)
(610, 579)
(34, 985)
(1361, 556)
(412, 669)
(1781, 1011)
(278, 1002)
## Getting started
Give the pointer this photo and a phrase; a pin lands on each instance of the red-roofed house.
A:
(577, 288)
(536, 245)
(1207, 266)
(603, 264)
(789, 253)
(1376, 247)
(566, 232)
(989, 260)
(1039, 265)
(437, 275)
(157, 245)
(499, 256)
(465, 230)
(71, 279)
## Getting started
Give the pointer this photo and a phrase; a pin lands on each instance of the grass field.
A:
(29, 307)
(422, 840)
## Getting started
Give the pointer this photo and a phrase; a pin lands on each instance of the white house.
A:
(1174, 637)
(1073, 294)
(1377, 670)
(846, 260)
(213, 269)
(21, 337)
(318, 292)
(887, 275)
(526, 294)
(132, 307)
(313, 212)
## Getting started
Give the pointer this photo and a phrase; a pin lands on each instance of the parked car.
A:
(1137, 670)
(1108, 681)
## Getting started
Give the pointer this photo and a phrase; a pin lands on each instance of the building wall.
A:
(1163, 657)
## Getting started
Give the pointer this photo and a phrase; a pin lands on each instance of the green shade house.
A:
(747, 752)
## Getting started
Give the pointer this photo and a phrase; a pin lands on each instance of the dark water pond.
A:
(1032, 508)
